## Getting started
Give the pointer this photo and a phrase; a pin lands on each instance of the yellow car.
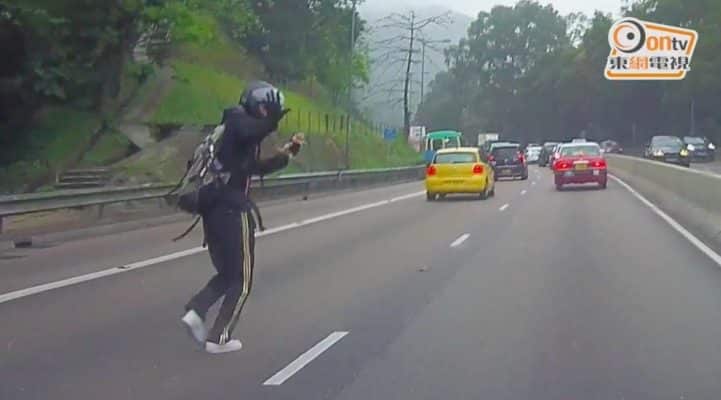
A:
(459, 170)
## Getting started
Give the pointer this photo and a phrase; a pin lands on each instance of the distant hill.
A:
(375, 100)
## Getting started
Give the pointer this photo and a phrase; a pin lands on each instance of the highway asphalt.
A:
(534, 294)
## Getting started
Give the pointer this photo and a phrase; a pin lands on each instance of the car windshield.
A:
(455, 158)
(505, 152)
(693, 140)
(578, 151)
(667, 141)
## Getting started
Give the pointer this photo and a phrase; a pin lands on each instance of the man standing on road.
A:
(229, 226)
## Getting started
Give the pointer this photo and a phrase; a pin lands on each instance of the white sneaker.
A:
(215, 348)
(195, 325)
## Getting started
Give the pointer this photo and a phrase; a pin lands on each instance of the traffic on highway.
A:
(354, 200)
(379, 294)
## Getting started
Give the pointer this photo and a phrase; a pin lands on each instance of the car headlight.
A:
(711, 146)
(684, 152)
(658, 153)
(691, 147)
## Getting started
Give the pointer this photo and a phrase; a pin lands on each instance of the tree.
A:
(403, 49)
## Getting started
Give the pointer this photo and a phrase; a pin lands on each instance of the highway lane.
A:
(80, 340)
(522, 308)
(22, 268)
(713, 167)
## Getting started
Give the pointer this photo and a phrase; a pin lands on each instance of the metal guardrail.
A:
(270, 187)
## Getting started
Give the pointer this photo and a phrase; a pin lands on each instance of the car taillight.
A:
(561, 165)
(431, 170)
(521, 158)
(598, 164)
(478, 169)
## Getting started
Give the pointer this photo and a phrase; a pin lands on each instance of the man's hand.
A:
(293, 146)
(274, 107)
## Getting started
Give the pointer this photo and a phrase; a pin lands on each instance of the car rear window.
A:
(573, 151)
(693, 140)
(455, 158)
(667, 141)
(505, 152)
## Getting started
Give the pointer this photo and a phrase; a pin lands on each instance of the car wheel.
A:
(524, 176)
(430, 196)
(442, 196)
(603, 184)
(559, 187)
(484, 194)
(493, 191)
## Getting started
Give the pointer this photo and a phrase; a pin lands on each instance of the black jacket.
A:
(240, 150)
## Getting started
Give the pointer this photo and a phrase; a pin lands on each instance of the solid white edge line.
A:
(715, 257)
(460, 240)
(504, 207)
(20, 293)
(304, 359)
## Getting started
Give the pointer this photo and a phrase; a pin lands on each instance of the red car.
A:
(580, 163)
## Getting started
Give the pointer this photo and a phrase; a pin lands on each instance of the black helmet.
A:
(255, 94)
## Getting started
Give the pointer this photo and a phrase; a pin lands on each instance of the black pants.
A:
(230, 233)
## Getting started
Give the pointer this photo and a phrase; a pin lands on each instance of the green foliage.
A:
(306, 39)
(111, 146)
(58, 136)
(534, 75)
(183, 20)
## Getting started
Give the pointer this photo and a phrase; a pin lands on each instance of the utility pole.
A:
(693, 117)
(401, 51)
(425, 43)
(423, 68)
(350, 85)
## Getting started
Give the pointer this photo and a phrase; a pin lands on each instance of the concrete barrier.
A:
(691, 197)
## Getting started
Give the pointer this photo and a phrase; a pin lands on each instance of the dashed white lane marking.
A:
(460, 240)
(523, 192)
(503, 207)
(407, 196)
(304, 359)
(715, 257)
(17, 294)
(533, 183)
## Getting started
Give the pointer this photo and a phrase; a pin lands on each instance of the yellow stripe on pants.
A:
(247, 276)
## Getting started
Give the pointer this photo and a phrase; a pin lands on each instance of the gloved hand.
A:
(293, 146)
(274, 107)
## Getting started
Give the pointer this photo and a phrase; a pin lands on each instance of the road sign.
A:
(389, 134)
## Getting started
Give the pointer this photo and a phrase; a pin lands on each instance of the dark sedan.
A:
(611, 146)
(546, 150)
(701, 149)
(670, 149)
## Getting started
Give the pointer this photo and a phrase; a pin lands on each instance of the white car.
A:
(532, 154)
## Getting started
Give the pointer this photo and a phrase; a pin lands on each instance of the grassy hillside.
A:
(205, 79)
(209, 78)
(57, 138)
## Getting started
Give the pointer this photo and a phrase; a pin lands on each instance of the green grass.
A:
(112, 146)
(57, 137)
(198, 96)
(61, 134)
(201, 92)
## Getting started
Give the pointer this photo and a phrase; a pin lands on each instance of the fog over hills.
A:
(381, 98)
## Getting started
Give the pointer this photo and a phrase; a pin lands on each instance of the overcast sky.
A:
(472, 7)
